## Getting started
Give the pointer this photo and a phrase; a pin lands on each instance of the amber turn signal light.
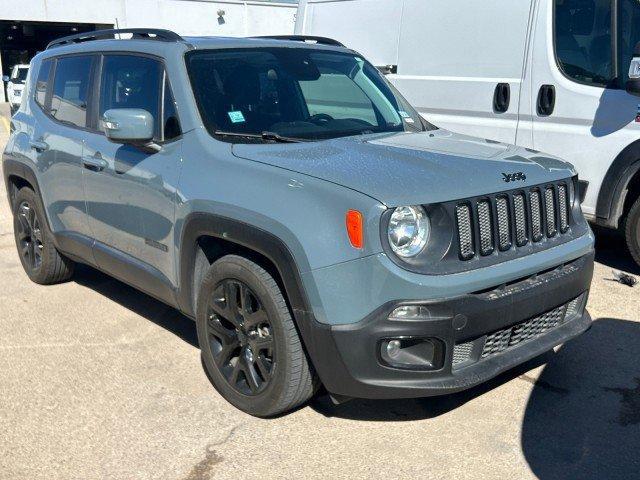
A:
(355, 228)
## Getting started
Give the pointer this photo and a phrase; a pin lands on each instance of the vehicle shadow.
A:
(588, 426)
(418, 408)
(612, 251)
(148, 307)
(616, 109)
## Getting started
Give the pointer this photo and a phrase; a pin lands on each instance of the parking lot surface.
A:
(98, 380)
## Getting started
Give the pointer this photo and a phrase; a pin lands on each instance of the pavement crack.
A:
(203, 469)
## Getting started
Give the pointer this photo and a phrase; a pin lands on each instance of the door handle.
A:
(546, 100)
(95, 163)
(39, 145)
(501, 98)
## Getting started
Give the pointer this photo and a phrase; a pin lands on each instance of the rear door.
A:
(62, 90)
(460, 63)
(129, 192)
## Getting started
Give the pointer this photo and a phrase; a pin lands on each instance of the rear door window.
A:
(71, 90)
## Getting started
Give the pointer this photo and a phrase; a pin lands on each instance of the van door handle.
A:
(39, 145)
(546, 100)
(501, 98)
(95, 163)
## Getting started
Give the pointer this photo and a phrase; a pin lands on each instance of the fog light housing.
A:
(412, 353)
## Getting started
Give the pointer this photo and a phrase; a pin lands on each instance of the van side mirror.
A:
(633, 84)
(6, 78)
(131, 126)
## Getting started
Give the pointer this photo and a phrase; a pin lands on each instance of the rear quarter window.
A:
(42, 84)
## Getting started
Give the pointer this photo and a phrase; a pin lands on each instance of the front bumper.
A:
(348, 357)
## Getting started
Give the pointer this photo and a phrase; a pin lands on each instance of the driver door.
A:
(129, 192)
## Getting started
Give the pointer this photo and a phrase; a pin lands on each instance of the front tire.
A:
(249, 342)
(38, 255)
(632, 231)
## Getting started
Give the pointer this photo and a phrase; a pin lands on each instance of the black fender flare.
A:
(613, 192)
(316, 337)
(248, 236)
(14, 168)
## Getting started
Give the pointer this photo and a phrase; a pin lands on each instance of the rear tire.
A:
(249, 342)
(39, 257)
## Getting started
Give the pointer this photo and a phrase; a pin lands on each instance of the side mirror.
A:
(6, 78)
(633, 84)
(131, 126)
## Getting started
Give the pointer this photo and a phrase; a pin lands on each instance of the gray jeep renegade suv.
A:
(281, 193)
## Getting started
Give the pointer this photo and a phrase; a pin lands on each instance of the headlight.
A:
(408, 231)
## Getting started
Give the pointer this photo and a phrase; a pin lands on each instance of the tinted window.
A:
(42, 83)
(303, 93)
(71, 90)
(583, 40)
(130, 81)
(628, 34)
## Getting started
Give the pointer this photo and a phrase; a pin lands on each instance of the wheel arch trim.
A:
(197, 225)
(614, 188)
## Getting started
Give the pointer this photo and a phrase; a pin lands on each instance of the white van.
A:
(549, 75)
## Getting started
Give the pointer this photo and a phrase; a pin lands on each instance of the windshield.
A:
(295, 93)
(21, 74)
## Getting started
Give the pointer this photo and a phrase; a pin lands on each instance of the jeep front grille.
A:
(505, 221)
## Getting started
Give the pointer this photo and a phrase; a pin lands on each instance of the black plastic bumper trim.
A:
(349, 364)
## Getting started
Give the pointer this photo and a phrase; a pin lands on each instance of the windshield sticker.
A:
(405, 116)
(236, 117)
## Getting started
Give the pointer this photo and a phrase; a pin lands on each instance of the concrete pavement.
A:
(98, 380)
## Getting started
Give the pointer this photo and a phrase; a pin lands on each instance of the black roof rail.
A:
(137, 33)
(305, 38)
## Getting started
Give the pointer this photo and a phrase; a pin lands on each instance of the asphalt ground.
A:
(98, 380)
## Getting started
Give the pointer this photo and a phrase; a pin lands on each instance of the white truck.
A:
(15, 85)
(549, 75)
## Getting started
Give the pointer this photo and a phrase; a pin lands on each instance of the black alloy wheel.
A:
(240, 337)
(29, 235)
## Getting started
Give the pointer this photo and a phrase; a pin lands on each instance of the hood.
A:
(413, 168)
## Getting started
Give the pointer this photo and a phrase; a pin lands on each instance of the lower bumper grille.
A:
(501, 340)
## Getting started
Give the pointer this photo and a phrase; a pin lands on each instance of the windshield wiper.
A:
(262, 136)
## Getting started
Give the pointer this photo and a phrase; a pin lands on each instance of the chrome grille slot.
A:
(504, 224)
(520, 219)
(465, 231)
(563, 204)
(536, 218)
(486, 227)
(550, 208)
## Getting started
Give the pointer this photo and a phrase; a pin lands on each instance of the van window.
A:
(130, 81)
(583, 40)
(71, 90)
(628, 34)
(42, 83)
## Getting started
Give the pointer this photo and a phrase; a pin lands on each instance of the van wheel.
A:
(38, 255)
(250, 345)
(632, 231)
